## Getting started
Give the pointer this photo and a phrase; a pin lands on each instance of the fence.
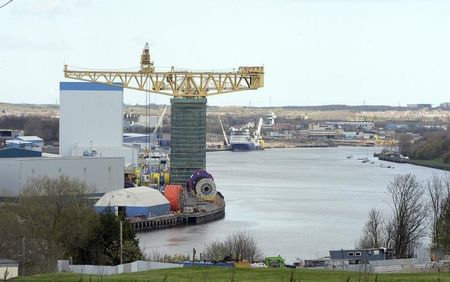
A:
(137, 266)
(389, 266)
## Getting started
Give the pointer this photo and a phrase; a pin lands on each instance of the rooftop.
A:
(132, 197)
(8, 262)
(29, 138)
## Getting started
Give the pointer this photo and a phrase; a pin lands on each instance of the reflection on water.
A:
(296, 202)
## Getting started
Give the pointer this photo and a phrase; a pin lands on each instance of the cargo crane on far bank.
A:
(189, 90)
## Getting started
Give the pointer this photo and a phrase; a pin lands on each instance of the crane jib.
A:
(174, 82)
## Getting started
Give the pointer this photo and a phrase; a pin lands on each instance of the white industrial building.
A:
(102, 174)
(91, 121)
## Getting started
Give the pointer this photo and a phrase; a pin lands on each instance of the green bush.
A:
(446, 158)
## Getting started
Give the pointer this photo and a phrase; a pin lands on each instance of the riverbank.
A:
(435, 163)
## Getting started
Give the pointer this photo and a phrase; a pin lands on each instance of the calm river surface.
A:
(298, 203)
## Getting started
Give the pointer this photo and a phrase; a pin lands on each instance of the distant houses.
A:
(361, 256)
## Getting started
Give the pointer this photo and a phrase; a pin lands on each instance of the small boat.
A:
(365, 160)
(349, 156)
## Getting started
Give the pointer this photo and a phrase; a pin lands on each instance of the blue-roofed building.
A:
(19, 144)
(19, 153)
(36, 142)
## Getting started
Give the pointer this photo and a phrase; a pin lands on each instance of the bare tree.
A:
(442, 227)
(439, 193)
(50, 221)
(373, 235)
(238, 246)
(408, 223)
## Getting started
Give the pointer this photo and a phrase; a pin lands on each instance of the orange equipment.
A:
(174, 194)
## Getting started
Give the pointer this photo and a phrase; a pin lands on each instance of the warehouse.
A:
(14, 152)
(102, 174)
(98, 130)
(36, 142)
(133, 202)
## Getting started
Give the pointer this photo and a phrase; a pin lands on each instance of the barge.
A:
(197, 212)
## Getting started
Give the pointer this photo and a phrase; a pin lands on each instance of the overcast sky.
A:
(314, 52)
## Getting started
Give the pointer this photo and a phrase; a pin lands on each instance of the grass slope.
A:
(436, 163)
(226, 274)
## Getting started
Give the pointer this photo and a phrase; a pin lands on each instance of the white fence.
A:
(388, 266)
(137, 266)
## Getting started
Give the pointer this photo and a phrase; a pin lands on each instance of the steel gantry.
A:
(176, 83)
(189, 90)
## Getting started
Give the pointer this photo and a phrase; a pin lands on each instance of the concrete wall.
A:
(385, 266)
(136, 266)
(89, 112)
(103, 174)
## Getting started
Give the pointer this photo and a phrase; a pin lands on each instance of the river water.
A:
(298, 203)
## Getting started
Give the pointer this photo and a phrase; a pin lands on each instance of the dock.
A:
(155, 223)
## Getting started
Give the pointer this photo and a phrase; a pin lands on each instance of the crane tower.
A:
(189, 91)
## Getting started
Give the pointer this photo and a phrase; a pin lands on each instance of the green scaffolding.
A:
(188, 138)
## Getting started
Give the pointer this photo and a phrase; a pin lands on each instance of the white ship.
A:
(242, 140)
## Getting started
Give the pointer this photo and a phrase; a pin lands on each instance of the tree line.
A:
(418, 209)
(433, 145)
(53, 219)
(45, 127)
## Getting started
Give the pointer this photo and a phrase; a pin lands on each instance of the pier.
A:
(150, 224)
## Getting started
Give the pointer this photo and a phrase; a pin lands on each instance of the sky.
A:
(314, 52)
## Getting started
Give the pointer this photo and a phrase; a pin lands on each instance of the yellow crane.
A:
(189, 90)
(176, 83)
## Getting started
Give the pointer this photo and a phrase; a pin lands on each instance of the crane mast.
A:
(174, 83)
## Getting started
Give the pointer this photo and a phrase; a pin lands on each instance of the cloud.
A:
(14, 42)
(48, 7)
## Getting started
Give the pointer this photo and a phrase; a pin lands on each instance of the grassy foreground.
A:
(227, 274)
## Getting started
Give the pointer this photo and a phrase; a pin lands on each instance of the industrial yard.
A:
(224, 141)
(97, 135)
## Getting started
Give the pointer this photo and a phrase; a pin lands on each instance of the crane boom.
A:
(258, 130)
(176, 83)
(160, 120)
(223, 131)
